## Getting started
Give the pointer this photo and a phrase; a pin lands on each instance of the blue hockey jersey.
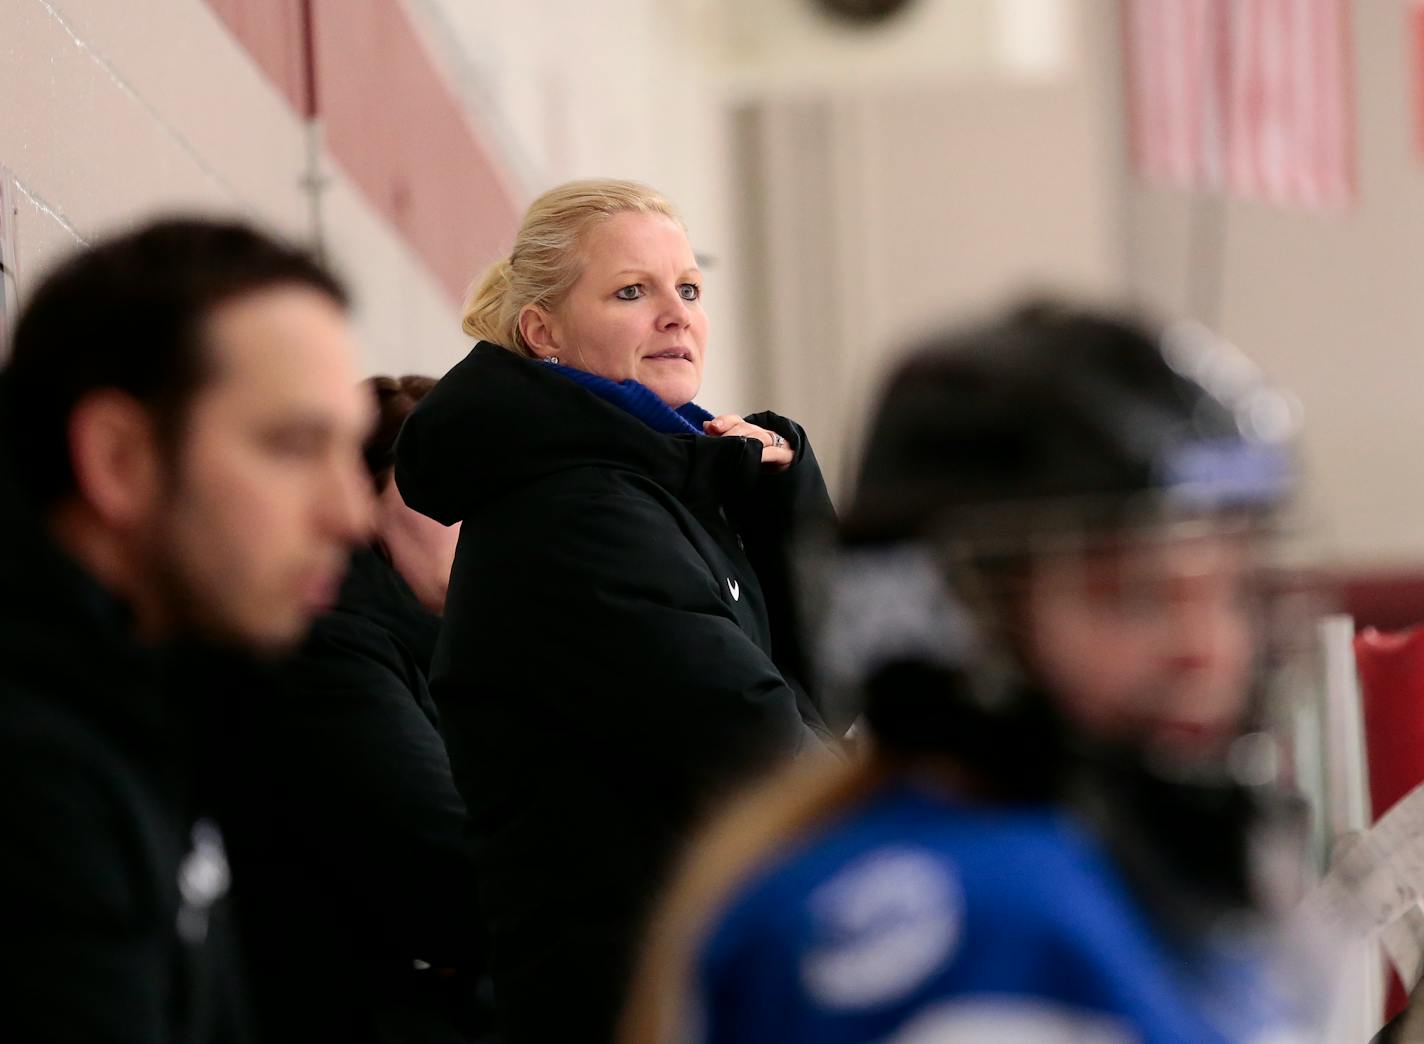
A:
(920, 920)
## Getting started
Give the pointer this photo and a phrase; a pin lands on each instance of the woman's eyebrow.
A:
(644, 273)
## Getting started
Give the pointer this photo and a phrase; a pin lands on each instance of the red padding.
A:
(1391, 670)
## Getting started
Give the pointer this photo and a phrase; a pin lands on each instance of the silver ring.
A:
(777, 441)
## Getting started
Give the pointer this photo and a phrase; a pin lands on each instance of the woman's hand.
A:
(775, 454)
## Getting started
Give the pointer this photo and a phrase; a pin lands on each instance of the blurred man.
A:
(181, 436)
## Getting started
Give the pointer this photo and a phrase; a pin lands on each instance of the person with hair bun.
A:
(419, 549)
(619, 650)
(354, 874)
(1052, 594)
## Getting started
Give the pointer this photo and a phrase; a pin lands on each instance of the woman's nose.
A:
(676, 314)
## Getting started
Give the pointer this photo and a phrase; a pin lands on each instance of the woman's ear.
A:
(537, 331)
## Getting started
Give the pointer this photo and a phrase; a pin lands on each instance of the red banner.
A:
(1251, 97)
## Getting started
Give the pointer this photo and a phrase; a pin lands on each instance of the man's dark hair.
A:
(128, 314)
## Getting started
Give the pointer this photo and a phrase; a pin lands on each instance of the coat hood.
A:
(498, 421)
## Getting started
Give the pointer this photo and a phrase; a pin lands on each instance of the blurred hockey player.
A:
(1052, 593)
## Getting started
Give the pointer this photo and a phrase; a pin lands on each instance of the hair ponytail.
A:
(748, 834)
(488, 306)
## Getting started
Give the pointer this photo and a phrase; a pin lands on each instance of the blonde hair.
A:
(545, 260)
(753, 830)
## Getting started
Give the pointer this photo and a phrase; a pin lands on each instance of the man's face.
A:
(268, 492)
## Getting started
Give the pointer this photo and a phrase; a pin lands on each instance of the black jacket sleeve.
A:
(785, 512)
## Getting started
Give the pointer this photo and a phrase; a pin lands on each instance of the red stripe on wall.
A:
(391, 121)
(1416, 24)
(271, 31)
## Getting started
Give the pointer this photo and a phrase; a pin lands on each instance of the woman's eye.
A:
(630, 293)
(689, 291)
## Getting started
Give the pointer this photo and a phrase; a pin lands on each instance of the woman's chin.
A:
(674, 393)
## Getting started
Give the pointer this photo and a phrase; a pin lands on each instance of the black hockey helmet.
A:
(1066, 409)
(1049, 429)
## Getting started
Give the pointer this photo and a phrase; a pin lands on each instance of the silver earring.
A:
(552, 360)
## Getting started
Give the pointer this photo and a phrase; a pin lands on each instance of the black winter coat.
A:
(101, 816)
(348, 838)
(616, 656)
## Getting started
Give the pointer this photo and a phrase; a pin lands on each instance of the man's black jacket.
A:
(112, 923)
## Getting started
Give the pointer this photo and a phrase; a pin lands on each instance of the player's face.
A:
(1148, 640)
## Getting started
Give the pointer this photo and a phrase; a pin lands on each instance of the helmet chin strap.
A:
(1188, 834)
(1198, 851)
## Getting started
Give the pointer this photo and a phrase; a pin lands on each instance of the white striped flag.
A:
(1251, 97)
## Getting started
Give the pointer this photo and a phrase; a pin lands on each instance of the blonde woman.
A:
(617, 650)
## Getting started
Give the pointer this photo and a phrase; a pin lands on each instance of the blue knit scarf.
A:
(638, 399)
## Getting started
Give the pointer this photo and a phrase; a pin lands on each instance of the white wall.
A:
(112, 112)
(891, 213)
(764, 45)
(881, 206)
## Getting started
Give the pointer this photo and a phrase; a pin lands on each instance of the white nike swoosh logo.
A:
(735, 588)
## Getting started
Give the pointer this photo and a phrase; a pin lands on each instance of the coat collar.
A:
(498, 421)
(639, 400)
